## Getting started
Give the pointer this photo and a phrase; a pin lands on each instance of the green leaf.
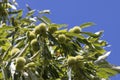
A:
(44, 12)
(6, 45)
(61, 31)
(44, 20)
(53, 71)
(52, 39)
(104, 63)
(20, 13)
(90, 34)
(74, 35)
(47, 20)
(106, 72)
(1, 76)
(62, 25)
(46, 52)
(100, 44)
(28, 7)
(26, 20)
(99, 49)
(92, 39)
(88, 24)
(7, 28)
(99, 33)
(3, 35)
(30, 13)
(32, 76)
(11, 6)
(58, 25)
(14, 12)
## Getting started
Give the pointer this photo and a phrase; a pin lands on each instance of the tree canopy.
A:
(32, 47)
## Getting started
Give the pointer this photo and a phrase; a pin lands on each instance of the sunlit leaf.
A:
(90, 34)
(74, 35)
(61, 31)
(99, 33)
(12, 6)
(106, 72)
(30, 13)
(20, 13)
(58, 25)
(7, 28)
(47, 20)
(88, 24)
(44, 12)
(1, 75)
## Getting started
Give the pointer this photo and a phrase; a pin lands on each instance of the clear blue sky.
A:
(105, 13)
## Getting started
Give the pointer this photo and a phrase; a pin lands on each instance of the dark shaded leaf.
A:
(15, 12)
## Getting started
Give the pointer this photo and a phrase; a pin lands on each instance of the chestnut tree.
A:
(32, 47)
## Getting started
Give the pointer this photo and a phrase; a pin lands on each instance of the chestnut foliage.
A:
(34, 48)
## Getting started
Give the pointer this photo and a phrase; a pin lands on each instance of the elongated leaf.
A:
(1, 76)
(25, 20)
(88, 24)
(32, 75)
(47, 20)
(42, 20)
(99, 49)
(62, 25)
(99, 33)
(30, 13)
(102, 57)
(52, 38)
(20, 13)
(12, 6)
(90, 34)
(59, 25)
(74, 35)
(100, 44)
(61, 31)
(28, 7)
(14, 12)
(44, 12)
(106, 72)
(6, 28)
(47, 53)
(53, 71)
